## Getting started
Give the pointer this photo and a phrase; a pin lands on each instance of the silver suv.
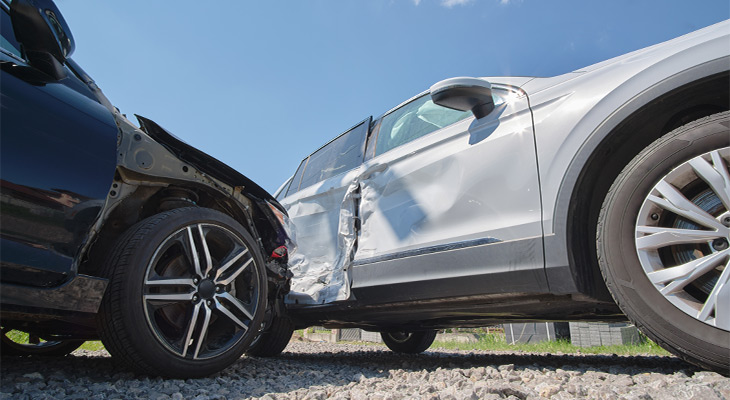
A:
(600, 194)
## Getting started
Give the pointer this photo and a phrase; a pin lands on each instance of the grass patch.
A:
(496, 341)
(92, 345)
(22, 338)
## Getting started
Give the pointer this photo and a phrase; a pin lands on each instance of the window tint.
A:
(342, 154)
(8, 41)
(415, 119)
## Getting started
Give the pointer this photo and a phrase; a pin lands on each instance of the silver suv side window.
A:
(342, 154)
(415, 119)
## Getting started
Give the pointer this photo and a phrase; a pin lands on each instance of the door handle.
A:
(373, 169)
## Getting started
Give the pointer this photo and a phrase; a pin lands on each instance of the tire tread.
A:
(601, 246)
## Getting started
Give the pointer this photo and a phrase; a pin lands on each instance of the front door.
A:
(57, 162)
(451, 206)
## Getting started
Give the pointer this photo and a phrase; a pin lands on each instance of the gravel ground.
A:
(347, 371)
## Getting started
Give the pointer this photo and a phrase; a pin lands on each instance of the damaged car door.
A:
(322, 199)
(450, 204)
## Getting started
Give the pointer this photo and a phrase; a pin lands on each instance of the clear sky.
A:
(261, 84)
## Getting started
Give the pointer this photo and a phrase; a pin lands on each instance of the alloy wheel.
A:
(683, 234)
(200, 291)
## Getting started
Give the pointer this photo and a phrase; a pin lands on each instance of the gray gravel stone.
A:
(344, 371)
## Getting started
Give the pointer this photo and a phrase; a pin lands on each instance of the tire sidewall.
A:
(147, 343)
(629, 284)
(416, 343)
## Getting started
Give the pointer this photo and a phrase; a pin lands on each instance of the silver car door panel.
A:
(496, 267)
(469, 181)
(324, 231)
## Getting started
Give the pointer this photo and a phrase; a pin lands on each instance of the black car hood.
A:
(203, 161)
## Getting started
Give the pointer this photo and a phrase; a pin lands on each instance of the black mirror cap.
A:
(44, 34)
(464, 94)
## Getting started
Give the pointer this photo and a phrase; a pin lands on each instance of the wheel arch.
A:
(692, 94)
(154, 195)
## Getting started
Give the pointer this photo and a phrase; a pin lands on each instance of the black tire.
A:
(272, 341)
(628, 254)
(409, 342)
(32, 346)
(165, 314)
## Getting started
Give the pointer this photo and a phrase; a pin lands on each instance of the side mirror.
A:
(464, 94)
(44, 34)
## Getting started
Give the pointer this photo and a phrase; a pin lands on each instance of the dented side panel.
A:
(323, 227)
(471, 181)
(473, 184)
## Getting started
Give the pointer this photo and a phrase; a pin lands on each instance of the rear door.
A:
(322, 200)
(451, 206)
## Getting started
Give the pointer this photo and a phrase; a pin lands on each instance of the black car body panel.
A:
(52, 133)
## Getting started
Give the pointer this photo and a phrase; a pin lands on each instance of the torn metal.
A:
(325, 238)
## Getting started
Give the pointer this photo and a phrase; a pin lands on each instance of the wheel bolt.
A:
(210, 302)
(726, 221)
(218, 289)
(195, 297)
(196, 280)
(720, 244)
(655, 217)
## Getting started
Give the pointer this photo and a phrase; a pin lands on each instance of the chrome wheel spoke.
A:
(715, 175)
(190, 329)
(203, 329)
(230, 260)
(682, 275)
(677, 203)
(206, 251)
(170, 282)
(169, 297)
(237, 303)
(718, 301)
(230, 278)
(193, 251)
(220, 307)
(661, 237)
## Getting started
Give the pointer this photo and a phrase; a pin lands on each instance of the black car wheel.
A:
(186, 294)
(15, 343)
(273, 339)
(663, 236)
(409, 342)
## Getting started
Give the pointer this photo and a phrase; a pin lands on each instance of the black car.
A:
(116, 232)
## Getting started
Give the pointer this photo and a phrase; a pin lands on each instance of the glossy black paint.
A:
(57, 162)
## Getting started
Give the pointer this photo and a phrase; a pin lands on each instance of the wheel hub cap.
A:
(206, 289)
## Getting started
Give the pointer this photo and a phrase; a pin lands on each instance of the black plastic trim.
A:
(82, 294)
(426, 250)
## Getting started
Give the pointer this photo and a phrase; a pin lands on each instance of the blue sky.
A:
(261, 84)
